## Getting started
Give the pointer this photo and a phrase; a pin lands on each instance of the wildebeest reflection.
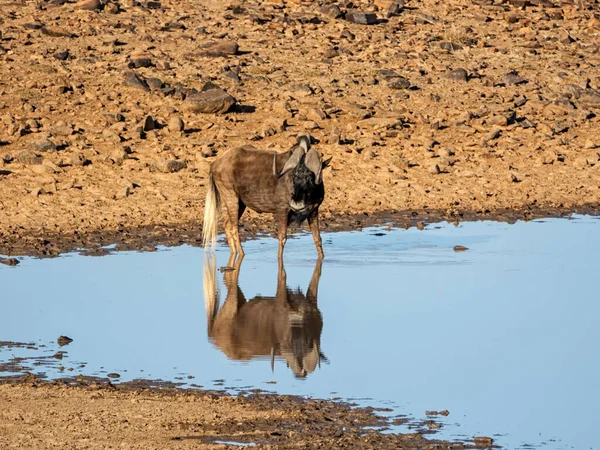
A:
(287, 325)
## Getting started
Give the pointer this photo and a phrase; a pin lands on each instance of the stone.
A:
(450, 46)
(155, 84)
(211, 101)
(333, 137)
(378, 123)
(175, 124)
(134, 80)
(434, 169)
(513, 78)
(332, 11)
(113, 375)
(63, 340)
(62, 55)
(149, 123)
(459, 74)
(399, 83)
(61, 129)
(163, 65)
(9, 261)
(55, 32)
(118, 156)
(483, 441)
(112, 8)
(361, 17)
(79, 159)
(222, 48)
(136, 61)
(88, 5)
(28, 158)
(43, 144)
(170, 166)
(123, 193)
(457, 248)
(50, 165)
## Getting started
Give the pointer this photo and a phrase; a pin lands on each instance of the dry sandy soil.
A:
(443, 109)
(93, 415)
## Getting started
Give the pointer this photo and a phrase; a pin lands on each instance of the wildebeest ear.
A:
(292, 161)
(326, 162)
(313, 163)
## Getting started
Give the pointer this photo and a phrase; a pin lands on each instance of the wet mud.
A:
(86, 412)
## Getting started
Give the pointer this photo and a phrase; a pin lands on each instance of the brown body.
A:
(288, 185)
(288, 325)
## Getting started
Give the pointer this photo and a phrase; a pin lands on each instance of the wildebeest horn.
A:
(304, 142)
(292, 161)
(313, 162)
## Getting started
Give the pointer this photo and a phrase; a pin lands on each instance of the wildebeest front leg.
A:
(282, 224)
(313, 222)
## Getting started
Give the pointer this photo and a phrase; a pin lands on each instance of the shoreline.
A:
(147, 238)
(71, 413)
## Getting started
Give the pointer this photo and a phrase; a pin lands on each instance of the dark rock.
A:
(62, 56)
(33, 26)
(347, 34)
(168, 90)
(134, 80)
(43, 144)
(399, 83)
(9, 261)
(112, 8)
(459, 74)
(388, 74)
(28, 158)
(513, 78)
(149, 123)
(113, 375)
(64, 340)
(55, 32)
(211, 101)
(223, 48)
(155, 84)
(139, 61)
(360, 17)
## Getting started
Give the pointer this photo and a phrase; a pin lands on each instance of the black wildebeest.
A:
(288, 184)
(288, 324)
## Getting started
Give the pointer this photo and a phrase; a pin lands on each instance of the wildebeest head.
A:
(303, 154)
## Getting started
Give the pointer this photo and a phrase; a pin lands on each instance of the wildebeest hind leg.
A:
(313, 223)
(232, 205)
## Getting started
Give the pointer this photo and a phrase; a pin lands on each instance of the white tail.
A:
(211, 290)
(211, 215)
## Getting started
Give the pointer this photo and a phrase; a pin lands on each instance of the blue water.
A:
(504, 335)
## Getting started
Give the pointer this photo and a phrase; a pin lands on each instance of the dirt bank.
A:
(459, 107)
(98, 415)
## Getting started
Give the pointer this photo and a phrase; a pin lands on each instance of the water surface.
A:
(503, 335)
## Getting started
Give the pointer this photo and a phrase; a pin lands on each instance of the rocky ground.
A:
(95, 415)
(112, 111)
